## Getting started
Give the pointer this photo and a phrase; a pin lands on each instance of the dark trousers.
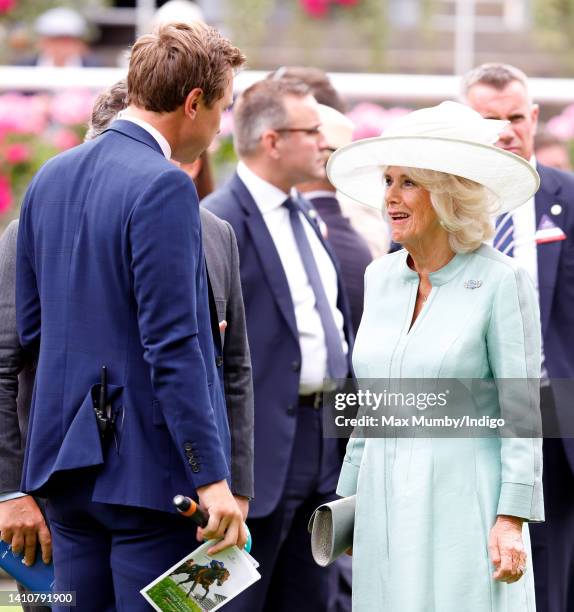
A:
(553, 540)
(107, 553)
(290, 579)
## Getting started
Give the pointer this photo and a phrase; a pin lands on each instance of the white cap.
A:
(337, 129)
(61, 21)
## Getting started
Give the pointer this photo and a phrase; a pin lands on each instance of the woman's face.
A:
(411, 214)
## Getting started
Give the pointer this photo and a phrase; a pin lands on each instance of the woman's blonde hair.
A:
(464, 207)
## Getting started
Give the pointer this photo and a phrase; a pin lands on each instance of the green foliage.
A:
(554, 24)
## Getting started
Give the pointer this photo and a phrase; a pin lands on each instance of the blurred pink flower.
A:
(72, 107)
(5, 194)
(17, 153)
(371, 119)
(561, 126)
(315, 8)
(65, 139)
(7, 5)
(22, 114)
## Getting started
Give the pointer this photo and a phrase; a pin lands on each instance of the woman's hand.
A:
(506, 549)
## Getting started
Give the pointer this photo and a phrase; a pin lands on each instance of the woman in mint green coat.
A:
(441, 523)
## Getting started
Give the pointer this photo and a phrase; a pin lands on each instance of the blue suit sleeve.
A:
(169, 282)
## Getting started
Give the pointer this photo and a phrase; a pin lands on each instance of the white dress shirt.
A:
(269, 200)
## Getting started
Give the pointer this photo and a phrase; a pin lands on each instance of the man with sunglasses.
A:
(299, 334)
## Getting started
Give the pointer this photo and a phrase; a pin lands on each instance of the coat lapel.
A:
(548, 253)
(268, 256)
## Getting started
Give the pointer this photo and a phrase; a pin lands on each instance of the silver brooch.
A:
(472, 284)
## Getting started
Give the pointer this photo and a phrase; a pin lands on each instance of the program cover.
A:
(199, 582)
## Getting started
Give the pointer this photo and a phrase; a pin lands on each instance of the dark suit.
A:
(17, 372)
(16, 378)
(553, 541)
(110, 256)
(231, 347)
(286, 433)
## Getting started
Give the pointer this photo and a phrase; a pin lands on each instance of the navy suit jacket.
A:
(556, 291)
(110, 271)
(273, 339)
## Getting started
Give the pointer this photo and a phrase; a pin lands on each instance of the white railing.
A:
(386, 88)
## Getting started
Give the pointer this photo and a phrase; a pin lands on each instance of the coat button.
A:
(219, 361)
(195, 469)
(188, 446)
(291, 409)
(296, 366)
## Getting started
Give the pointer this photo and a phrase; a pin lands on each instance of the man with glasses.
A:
(299, 334)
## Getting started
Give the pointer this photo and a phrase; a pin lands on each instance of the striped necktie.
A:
(504, 234)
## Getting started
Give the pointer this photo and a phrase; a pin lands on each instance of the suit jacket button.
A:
(219, 361)
(195, 469)
(291, 409)
(188, 446)
(296, 366)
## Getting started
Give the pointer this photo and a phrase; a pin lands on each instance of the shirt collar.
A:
(156, 134)
(266, 196)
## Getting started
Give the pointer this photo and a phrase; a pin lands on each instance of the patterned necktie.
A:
(336, 360)
(504, 234)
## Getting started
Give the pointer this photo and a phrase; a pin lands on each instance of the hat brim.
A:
(355, 169)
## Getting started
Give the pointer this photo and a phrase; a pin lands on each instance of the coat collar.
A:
(135, 132)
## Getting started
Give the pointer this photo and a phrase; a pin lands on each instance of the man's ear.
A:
(535, 112)
(269, 142)
(192, 101)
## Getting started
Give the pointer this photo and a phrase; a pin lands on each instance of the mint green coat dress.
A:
(425, 506)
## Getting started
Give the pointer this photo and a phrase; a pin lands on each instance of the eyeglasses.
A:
(312, 131)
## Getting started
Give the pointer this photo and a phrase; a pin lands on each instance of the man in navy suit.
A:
(543, 242)
(298, 328)
(111, 272)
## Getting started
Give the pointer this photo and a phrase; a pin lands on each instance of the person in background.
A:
(369, 223)
(299, 333)
(350, 248)
(62, 41)
(431, 510)
(123, 285)
(551, 151)
(500, 91)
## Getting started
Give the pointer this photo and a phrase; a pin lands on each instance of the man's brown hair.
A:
(176, 58)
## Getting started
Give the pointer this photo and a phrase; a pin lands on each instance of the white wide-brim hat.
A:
(450, 138)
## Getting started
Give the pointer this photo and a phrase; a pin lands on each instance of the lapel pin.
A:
(472, 284)
(556, 209)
